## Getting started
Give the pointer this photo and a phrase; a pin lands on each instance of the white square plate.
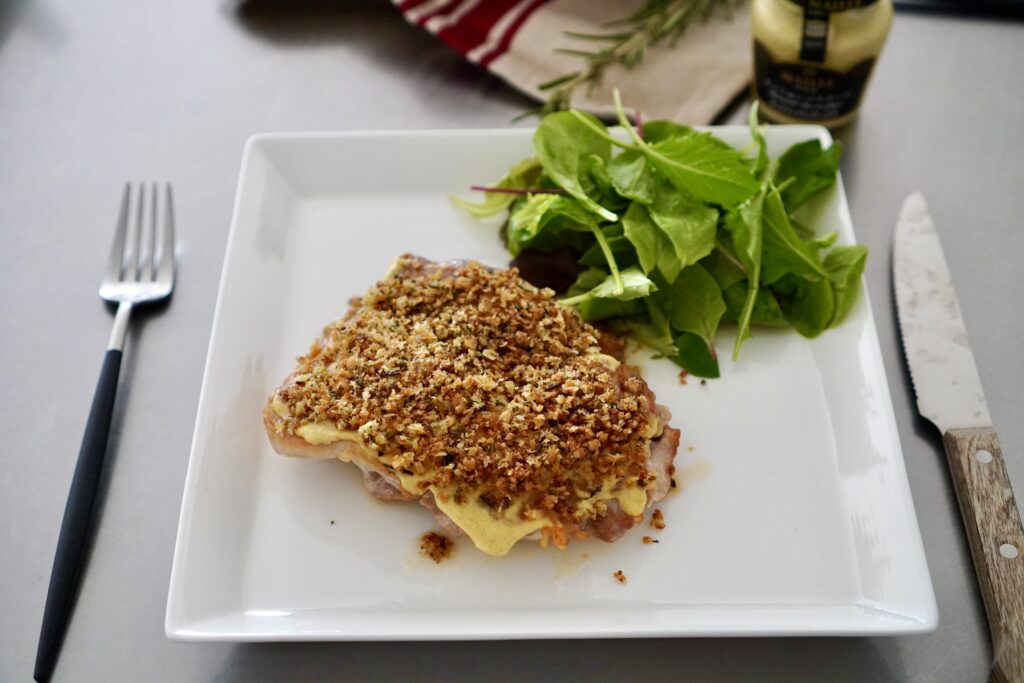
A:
(794, 517)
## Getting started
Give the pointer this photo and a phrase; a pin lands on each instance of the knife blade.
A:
(949, 394)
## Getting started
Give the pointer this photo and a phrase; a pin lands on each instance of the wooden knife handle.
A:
(997, 541)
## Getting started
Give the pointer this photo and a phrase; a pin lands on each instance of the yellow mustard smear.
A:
(279, 407)
(492, 532)
(632, 499)
(320, 433)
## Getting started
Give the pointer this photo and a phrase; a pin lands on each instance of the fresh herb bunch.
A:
(626, 43)
(678, 232)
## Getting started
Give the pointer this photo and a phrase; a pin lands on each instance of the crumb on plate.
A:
(435, 546)
(620, 577)
(657, 520)
(682, 376)
(648, 540)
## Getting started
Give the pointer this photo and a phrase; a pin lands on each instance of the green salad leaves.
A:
(677, 233)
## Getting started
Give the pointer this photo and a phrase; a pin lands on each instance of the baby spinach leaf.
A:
(783, 251)
(693, 303)
(653, 248)
(635, 285)
(695, 357)
(704, 166)
(812, 170)
(563, 145)
(523, 175)
(746, 228)
(807, 305)
(632, 176)
(689, 224)
(845, 265)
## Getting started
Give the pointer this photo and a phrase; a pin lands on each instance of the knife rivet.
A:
(1009, 551)
(983, 456)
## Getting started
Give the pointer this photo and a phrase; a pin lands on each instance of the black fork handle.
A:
(77, 526)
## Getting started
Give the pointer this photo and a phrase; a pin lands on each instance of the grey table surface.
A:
(93, 94)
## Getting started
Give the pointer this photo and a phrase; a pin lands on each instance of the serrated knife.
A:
(949, 394)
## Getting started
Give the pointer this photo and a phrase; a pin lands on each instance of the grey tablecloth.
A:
(93, 94)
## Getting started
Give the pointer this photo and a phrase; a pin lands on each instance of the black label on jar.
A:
(814, 36)
(807, 91)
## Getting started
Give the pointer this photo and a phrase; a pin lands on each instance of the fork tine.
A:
(147, 247)
(165, 268)
(134, 245)
(116, 257)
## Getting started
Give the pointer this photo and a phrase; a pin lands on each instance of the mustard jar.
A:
(813, 58)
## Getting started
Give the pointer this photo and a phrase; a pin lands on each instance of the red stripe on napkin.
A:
(447, 8)
(473, 28)
(407, 5)
(506, 39)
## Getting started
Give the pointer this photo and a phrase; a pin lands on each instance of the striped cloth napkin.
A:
(515, 39)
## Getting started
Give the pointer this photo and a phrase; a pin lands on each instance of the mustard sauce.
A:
(492, 531)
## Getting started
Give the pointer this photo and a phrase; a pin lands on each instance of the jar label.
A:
(808, 91)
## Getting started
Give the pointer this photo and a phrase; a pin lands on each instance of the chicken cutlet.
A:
(479, 395)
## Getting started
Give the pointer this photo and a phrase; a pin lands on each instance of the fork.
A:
(140, 270)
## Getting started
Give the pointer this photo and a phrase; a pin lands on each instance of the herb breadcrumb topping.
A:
(478, 383)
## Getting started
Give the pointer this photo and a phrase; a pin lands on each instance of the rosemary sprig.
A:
(626, 43)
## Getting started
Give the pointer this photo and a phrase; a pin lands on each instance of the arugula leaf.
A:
(632, 177)
(725, 269)
(525, 221)
(761, 160)
(782, 250)
(825, 241)
(547, 214)
(812, 170)
(689, 224)
(845, 265)
(693, 303)
(695, 357)
(704, 166)
(698, 163)
(621, 248)
(597, 183)
(766, 311)
(563, 145)
(746, 228)
(653, 332)
(661, 129)
(635, 285)
(599, 309)
(653, 248)
(807, 305)
(522, 175)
